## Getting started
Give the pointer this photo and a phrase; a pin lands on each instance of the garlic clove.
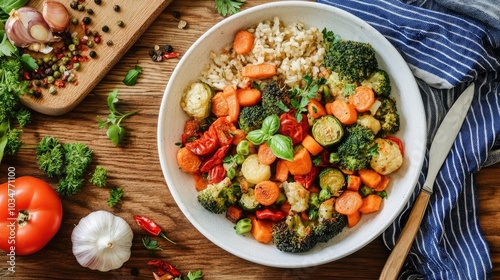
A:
(26, 26)
(56, 15)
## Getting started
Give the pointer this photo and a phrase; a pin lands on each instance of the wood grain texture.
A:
(135, 167)
(136, 15)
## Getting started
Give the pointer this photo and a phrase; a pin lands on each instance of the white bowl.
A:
(216, 227)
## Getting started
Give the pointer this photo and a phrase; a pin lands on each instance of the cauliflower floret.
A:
(389, 158)
(297, 196)
(370, 122)
(196, 101)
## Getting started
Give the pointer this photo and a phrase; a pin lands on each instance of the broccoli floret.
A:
(292, 235)
(251, 118)
(388, 115)
(274, 96)
(356, 149)
(330, 222)
(379, 81)
(217, 197)
(353, 61)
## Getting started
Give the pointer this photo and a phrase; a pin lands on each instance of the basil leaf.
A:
(271, 124)
(281, 146)
(132, 75)
(257, 136)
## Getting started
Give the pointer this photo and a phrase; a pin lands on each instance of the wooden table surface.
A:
(135, 167)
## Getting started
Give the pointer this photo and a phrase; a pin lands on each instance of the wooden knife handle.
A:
(398, 255)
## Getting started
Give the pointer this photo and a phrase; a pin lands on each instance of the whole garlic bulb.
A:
(102, 241)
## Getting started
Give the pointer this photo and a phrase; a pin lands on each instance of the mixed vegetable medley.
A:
(294, 166)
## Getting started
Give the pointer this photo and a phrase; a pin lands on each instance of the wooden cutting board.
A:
(136, 15)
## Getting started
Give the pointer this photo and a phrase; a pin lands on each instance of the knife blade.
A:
(441, 145)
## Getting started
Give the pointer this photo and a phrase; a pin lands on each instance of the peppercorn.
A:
(90, 11)
(154, 57)
(38, 83)
(168, 48)
(52, 90)
(105, 28)
(74, 5)
(151, 52)
(134, 271)
(81, 7)
(120, 23)
(76, 66)
(74, 21)
(49, 71)
(90, 43)
(116, 8)
(76, 41)
(57, 74)
(176, 14)
(98, 2)
(92, 54)
(182, 24)
(37, 94)
(86, 20)
(109, 43)
(50, 79)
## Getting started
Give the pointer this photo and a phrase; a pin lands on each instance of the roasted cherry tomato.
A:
(308, 179)
(191, 131)
(290, 127)
(398, 142)
(217, 158)
(216, 174)
(205, 145)
(224, 130)
(31, 215)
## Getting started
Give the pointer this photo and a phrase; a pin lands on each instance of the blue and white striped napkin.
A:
(448, 44)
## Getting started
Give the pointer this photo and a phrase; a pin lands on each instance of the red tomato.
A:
(308, 179)
(224, 130)
(216, 174)
(290, 127)
(31, 215)
(398, 142)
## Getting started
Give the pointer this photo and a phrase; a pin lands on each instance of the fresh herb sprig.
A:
(115, 196)
(115, 131)
(151, 244)
(99, 176)
(228, 7)
(300, 97)
(280, 145)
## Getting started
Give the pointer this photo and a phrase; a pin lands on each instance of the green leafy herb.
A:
(115, 196)
(151, 244)
(228, 7)
(300, 97)
(7, 6)
(132, 75)
(280, 145)
(66, 161)
(115, 132)
(194, 275)
(99, 176)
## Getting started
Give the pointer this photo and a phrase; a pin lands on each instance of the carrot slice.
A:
(231, 97)
(353, 182)
(315, 109)
(243, 42)
(262, 230)
(312, 145)
(301, 164)
(259, 71)
(265, 154)
(371, 203)
(266, 192)
(348, 202)
(249, 96)
(281, 173)
(353, 219)
(370, 177)
(188, 162)
(383, 184)
(199, 182)
(362, 99)
(345, 112)
(220, 108)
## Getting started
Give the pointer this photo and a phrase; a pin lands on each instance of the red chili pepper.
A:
(216, 174)
(307, 180)
(164, 267)
(290, 127)
(217, 158)
(170, 55)
(270, 214)
(150, 226)
(205, 145)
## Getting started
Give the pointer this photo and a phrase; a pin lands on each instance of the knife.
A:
(440, 147)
